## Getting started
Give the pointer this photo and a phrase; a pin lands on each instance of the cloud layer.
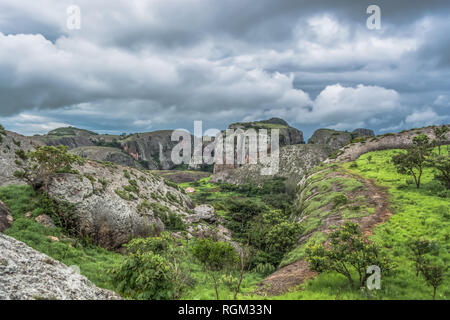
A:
(137, 66)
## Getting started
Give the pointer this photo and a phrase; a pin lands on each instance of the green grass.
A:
(416, 213)
(92, 260)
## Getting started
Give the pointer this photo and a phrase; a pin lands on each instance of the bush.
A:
(144, 276)
(264, 269)
(153, 269)
(339, 200)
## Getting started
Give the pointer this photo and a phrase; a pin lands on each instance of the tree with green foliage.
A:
(282, 237)
(433, 274)
(415, 159)
(44, 162)
(153, 269)
(440, 133)
(441, 164)
(215, 257)
(348, 251)
(419, 247)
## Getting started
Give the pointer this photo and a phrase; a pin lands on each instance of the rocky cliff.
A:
(287, 134)
(26, 274)
(149, 150)
(294, 161)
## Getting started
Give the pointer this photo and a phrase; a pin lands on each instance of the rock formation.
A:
(26, 274)
(113, 204)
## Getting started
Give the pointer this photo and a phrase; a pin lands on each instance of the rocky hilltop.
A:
(29, 275)
(148, 150)
(337, 139)
(287, 134)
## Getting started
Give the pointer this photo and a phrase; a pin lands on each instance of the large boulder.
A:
(6, 218)
(112, 204)
(26, 274)
(203, 212)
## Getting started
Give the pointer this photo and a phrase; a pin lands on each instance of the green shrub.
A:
(264, 269)
(339, 200)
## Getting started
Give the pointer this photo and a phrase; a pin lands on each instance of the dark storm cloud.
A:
(141, 65)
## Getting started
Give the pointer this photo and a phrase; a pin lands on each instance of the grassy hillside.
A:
(357, 191)
(417, 213)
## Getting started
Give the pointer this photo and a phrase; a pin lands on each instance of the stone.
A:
(45, 220)
(203, 212)
(30, 275)
(53, 239)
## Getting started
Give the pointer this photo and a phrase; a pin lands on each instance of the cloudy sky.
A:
(138, 66)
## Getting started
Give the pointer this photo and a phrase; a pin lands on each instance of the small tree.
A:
(153, 269)
(215, 258)
(414, 160)
(434, 275)
(440, 133)
(44, 162)
(442, 164)
(347, 252)
(419, 248)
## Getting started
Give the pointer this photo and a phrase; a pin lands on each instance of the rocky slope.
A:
(26, 274)
(109, 154)
(149, 150)
(399, 140)
(113, 204)
(10, 143)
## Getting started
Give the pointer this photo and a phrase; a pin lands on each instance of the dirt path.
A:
(296, 273)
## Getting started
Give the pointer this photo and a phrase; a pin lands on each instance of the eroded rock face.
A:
(26, 274)
(294, 161)
(114, 204)
(287, 135)
(6, 218)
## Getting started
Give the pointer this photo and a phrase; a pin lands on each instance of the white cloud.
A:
(442, 101)
(345, 106)
(424, 117)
